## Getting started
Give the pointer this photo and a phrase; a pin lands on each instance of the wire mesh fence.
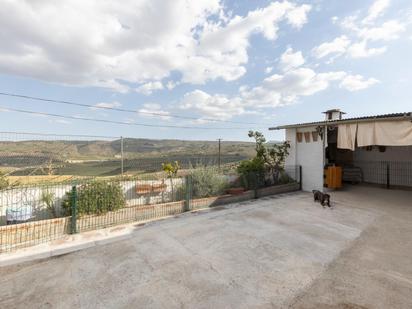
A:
(386, 173)
(52, 186)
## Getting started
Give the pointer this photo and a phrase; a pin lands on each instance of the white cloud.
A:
(171, 84)
(222, 48)
(361, 32)
(274, 91)
(103, 105)
(109, 84)
(114, 44)
(290, 60)
(62, 121)
(377, 9)
(357, 82)
(107, 105)
(338, 47)
(155, 109)
(212, 106)
(149, 88)
(277, 90)
(360, 50)
(269, 70)
(389, 30)
(298, 16)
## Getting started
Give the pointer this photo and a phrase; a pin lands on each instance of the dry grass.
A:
(40, 179)
(53, 179)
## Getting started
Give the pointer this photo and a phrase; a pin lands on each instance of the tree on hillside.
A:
(270, 157)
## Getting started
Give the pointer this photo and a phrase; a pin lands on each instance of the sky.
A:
(249, 65)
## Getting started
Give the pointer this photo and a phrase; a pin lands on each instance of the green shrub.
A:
(179, 193)
(252, 173)
(171, 170)
(268, 157)
(207, 181)
(97, 197)
(47, 198)
(4, 182)
(284, 178)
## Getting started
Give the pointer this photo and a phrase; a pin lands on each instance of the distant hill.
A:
(105, 150)
(102, 158)
(275, 142)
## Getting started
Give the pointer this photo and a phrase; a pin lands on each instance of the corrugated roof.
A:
(399, 116)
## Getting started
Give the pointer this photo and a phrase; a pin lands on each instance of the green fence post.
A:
(74, 210)
(188, 182)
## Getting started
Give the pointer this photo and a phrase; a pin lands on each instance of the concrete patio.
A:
(278, 252)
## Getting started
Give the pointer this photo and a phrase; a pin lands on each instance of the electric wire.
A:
(116, 122)
(118, 109)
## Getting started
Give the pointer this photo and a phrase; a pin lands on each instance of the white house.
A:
(375, 149)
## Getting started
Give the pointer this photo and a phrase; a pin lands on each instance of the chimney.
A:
(333, 114)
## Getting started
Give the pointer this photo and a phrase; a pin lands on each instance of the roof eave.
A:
(406, 116)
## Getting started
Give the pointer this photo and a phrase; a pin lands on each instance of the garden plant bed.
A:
(36, 232)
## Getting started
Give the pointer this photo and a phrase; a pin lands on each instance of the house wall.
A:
(309, 156)
(392, 153)
(290, 135)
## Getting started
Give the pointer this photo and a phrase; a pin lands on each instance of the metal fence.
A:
(34, 214)
(386, 173)
(53, 187)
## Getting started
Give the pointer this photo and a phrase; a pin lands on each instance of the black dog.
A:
(321, 197)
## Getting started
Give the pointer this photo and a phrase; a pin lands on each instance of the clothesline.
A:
(382, 133)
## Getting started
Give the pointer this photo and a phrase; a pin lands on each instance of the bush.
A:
(252, 173)
(47, 198)
(207, 181)
(4, 182)
(171, 170)
(97, 197)
(179, 193)
(284, 178)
